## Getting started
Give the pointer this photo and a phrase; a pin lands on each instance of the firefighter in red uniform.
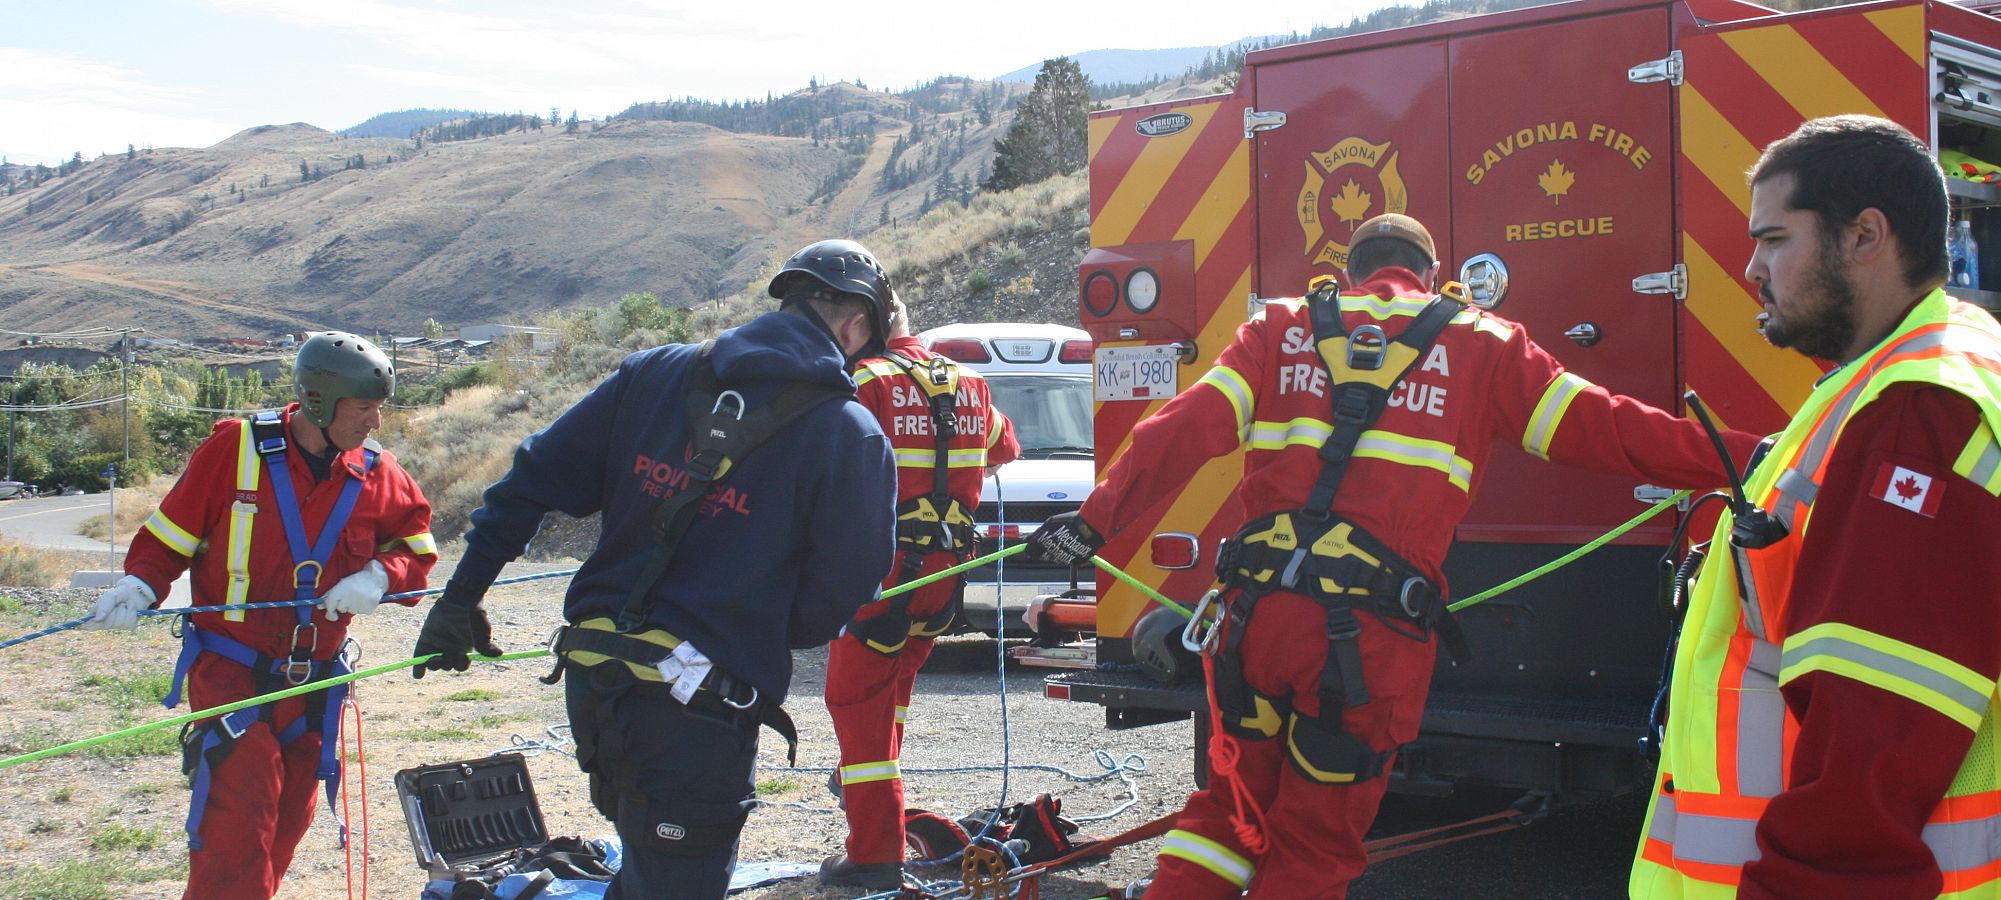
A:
(294, 504)
(1369, 417)
(945, 432)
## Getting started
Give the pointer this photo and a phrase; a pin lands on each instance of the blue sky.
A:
(91, 76)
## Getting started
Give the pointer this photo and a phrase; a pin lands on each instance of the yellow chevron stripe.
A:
(1797, 70)
(1143, 182)
(1716, 148)
(1099, 129)
(1905, 27)
(1717, 300)
(1221, 202)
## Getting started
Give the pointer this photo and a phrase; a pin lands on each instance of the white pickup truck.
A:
(1040, 376)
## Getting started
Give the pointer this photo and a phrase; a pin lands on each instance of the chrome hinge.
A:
(1256, 307)
(1673, 281)
(1256, 120)
(1653, 493)
(1668, 70)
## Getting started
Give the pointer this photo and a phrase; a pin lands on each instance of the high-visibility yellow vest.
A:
(1729, 736)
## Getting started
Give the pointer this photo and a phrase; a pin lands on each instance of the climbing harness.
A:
(207, 744)
(929, 523)
(1315, 553)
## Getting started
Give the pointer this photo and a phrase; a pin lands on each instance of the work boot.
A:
(840, 870)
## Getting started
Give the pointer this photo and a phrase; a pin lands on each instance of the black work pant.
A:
(676, 781)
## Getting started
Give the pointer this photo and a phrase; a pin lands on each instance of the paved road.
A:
(52, 521)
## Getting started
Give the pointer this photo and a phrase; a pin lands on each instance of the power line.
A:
(59, 407)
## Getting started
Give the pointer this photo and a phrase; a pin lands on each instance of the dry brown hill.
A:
(233, 240)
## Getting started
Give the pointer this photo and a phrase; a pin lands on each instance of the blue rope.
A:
(275, 604)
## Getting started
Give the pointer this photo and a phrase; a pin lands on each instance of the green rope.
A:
(386, 668)
(308, 687)
(1099, 561)
(1570, 557)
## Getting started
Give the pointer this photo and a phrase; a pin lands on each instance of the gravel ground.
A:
(95, 825)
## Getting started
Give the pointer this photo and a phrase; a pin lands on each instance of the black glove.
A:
(1065, 539)
(452, 631)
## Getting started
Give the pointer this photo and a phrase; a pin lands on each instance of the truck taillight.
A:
(963, 350)
(1011, 532)
(1055, 691)
(1101, 293)
(1174, 550)
(1075, 352)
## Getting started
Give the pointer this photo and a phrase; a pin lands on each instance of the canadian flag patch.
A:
(1903, 487)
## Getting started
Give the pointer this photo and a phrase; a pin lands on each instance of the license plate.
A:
(1138, 373)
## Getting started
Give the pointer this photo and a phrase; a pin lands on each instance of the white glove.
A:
(357, 594)
(119, 607)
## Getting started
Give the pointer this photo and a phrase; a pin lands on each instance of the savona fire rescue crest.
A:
(1345, 185)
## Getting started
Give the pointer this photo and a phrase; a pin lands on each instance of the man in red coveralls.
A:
(1832, 717)
(1353, 487)
(945, 432)
(294, 504)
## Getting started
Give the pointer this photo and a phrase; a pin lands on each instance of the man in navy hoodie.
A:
(677, 649)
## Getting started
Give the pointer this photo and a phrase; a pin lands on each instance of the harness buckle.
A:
(1404, 596)
(1366, 345)
(706, 464)
(231, 730)
(299, 668)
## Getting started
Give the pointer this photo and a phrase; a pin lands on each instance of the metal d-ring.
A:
(1194, 637)
(725, 396)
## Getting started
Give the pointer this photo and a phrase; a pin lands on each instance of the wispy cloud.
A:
(94, 107)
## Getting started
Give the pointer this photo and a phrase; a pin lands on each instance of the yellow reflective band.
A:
(1379, 309)
(241, 516)
(1980, 462)
(174, 536)
(966, 458)
(1234, 389)
(420, 544)
(1483, 324)
(1209, 855)
(1913, 673)
(1306, 432)
(993, 434)
(902, 712)
(1549, 413)
(660, 636)
(1418, 452)
(874, 370)
(862, 773)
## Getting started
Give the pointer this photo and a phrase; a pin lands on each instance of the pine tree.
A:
(1049, 133)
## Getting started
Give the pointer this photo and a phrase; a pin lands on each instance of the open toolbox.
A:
(464, 816)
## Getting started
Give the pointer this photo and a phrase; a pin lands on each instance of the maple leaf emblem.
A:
(1907, 489)
(1556, 181)
(1352, 204)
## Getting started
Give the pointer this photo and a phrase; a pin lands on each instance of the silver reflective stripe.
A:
(1761, 724)
(1959, 846)
(1662, 826)
(1797, 487)
(1717, 840)
(1888, 664)
(1823, 437)
(1747, 593)
(1983, 468)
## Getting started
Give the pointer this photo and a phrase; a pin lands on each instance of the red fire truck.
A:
(1583, 163)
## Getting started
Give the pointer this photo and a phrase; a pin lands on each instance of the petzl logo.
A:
(1345, 185)
(670, 831)
(1163, 124)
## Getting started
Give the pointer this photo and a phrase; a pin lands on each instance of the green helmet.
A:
(335, 364)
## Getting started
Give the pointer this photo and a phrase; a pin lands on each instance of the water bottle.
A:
(1955, 252)
(1971, 251)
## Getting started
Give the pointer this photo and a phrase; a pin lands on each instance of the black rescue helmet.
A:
(843, 266)
(1157, 647)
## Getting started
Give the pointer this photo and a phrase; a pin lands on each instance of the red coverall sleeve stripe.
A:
(1870, 765)
(1003, 446)
(408, 570)
(1167, 448)
(1570, 421)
